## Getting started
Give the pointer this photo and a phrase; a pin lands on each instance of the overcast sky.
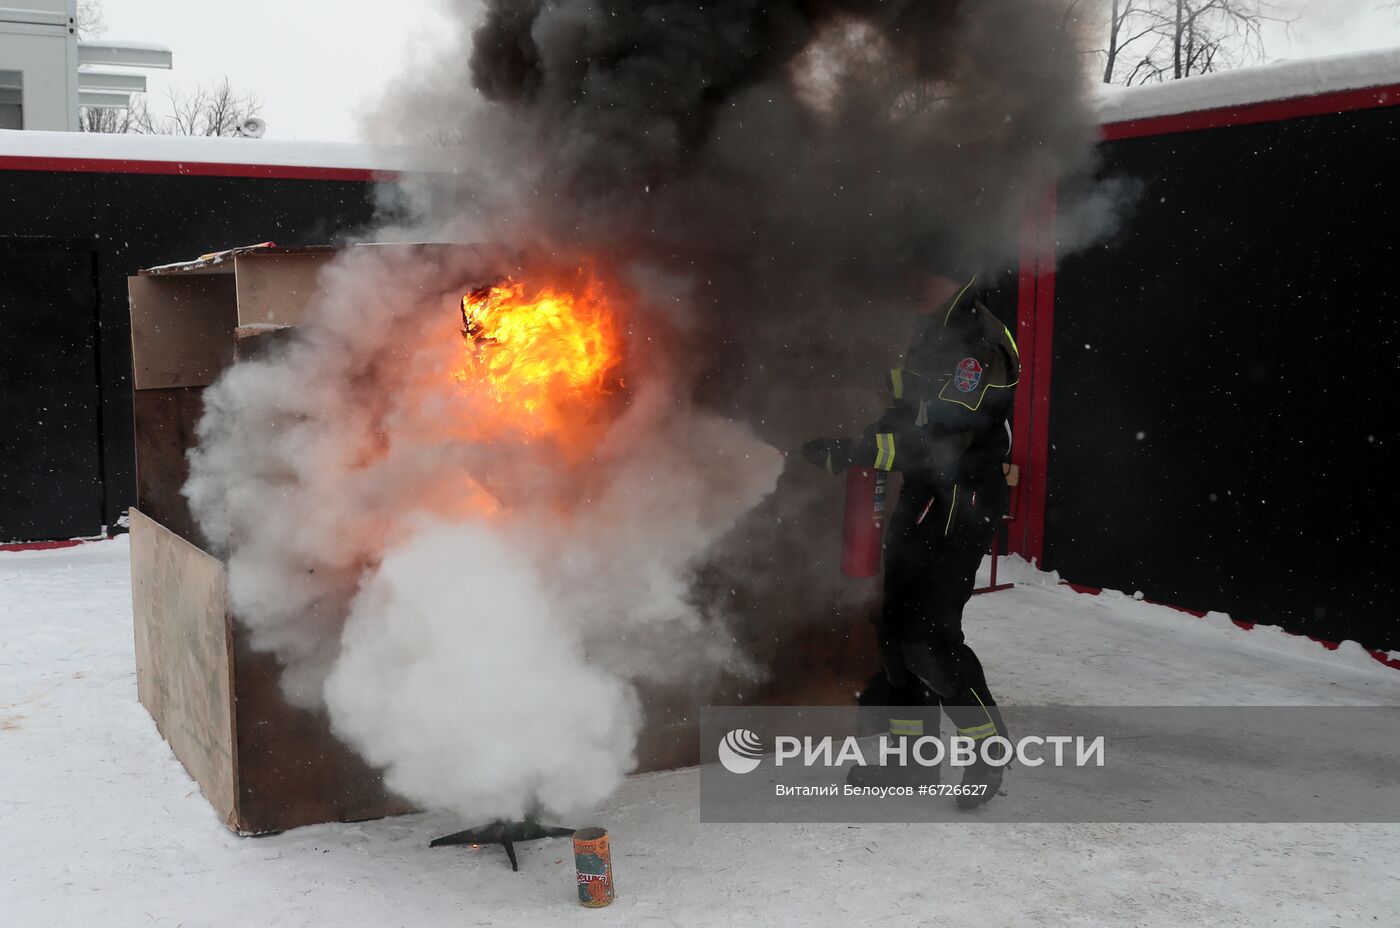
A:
(314, 63)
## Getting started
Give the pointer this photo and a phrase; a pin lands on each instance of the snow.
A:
(103, 826)
(200, 150)
(123, 43)
(1282, 80)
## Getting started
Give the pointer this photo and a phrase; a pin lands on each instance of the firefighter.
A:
(947, 432)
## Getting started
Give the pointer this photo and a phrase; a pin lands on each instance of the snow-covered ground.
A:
(101, 825)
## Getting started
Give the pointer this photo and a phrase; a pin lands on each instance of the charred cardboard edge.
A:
(223, 262)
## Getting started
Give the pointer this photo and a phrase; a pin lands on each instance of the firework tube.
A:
(593, 859)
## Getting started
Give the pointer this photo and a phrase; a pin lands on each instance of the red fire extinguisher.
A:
(864, 527)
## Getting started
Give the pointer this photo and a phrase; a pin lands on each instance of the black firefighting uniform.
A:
(947, 431)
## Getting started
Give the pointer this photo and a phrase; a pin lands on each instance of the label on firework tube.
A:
(593, 860)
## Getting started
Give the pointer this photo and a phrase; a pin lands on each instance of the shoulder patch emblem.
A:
(968, 375)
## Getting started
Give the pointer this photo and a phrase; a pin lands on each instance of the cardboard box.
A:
(264, 764)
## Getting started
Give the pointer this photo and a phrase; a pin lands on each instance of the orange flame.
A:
(547, 357)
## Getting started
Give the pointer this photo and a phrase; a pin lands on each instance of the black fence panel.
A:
(133, 221)
(50, 449)
(1332, 538)
(1220, 432)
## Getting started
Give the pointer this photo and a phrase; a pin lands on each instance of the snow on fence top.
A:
(181, 154)
(1283, 80)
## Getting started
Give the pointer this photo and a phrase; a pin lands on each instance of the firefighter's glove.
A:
(831, 454)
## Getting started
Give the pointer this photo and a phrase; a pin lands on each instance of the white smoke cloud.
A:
(472, 612)
(467, 679)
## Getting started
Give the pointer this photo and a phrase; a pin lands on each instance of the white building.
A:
(47, 73)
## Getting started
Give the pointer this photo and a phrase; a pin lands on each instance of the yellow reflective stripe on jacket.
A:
(897, 382)
(907, 727)
(1012, 340)
(978, 732)
(884, 451)
(951, 508)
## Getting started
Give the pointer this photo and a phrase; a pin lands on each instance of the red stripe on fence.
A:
(1036, 382)
(39, 545)
(1246, 114)
(190, 168)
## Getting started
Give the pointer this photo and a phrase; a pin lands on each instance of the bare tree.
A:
(1132, 24)
(216, 110)
(1156, 40)
(205, 110)
(91, 22)
(115, 120)
(1207, 35)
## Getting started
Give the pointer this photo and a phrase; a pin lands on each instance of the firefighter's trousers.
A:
(937, 539)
